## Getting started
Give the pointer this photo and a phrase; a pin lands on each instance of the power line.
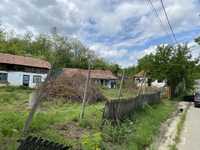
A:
(173, 34)
(156, 14)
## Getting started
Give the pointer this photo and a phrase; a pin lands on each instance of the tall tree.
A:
(57, 49)
(197, 40)
(173, 64)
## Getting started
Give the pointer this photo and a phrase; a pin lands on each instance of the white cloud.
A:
(107, 52)
(125, 23)
(136, 55)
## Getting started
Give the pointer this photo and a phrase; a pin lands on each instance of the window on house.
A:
(3, 77)
(37, 79)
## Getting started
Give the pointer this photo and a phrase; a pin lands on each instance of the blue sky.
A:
(119, 31)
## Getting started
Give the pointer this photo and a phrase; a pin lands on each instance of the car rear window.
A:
(197, 95)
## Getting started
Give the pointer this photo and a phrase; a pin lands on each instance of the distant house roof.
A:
(140, 74)
(95, 74)
(24, 61)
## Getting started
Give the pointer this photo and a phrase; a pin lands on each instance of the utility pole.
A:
(38, 95)
(36, 100)
(121, 83)
(141, 86)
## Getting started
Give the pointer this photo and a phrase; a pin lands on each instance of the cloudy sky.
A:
(121, 31)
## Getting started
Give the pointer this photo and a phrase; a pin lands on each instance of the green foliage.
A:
(11, 123)
(14, 111)
(138, 132)
(112, 94)
(85, 124)
(115, 68)
(172, 147)
(13, 95)
(58, 50)
(131, 71)
(132, 134)
(196, 74)
(91, 141)
(173, 64)
(197, 40)
(180, 126)
(146, 63)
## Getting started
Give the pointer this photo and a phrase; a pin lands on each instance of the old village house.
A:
(100, 77)
(22, 71)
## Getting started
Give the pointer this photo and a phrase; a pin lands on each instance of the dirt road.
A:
(190, 136)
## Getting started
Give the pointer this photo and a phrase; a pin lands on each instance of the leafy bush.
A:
(85, 124)
(92, 141)
(11, 123)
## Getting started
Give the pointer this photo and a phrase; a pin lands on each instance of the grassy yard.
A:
(138, 132)
(59, 122)
(49, 122)
(112, 94)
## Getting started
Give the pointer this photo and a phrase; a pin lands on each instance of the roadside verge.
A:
(171, 129)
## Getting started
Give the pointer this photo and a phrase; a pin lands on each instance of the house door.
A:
(26, 79)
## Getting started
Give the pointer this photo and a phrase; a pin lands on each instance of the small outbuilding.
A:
(141, 79)
(22, 71)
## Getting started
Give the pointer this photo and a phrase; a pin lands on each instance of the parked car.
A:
(197, 99)
(189, 98)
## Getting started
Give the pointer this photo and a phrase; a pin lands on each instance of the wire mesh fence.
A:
(35, 143)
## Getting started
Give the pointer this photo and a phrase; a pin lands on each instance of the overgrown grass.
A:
(114, 93)
(179, 129)
(138, 132)
(14, 111)
(133, 134)
(180, 126)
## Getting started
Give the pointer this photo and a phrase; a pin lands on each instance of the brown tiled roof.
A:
(22, 60)
(95, 74)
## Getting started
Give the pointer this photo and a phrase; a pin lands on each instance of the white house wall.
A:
(15, 78)
(141, 81)
(158, 84)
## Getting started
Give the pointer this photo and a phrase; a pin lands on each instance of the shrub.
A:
(138, 133)
(91, 141)
(11, 123)
(85, 124)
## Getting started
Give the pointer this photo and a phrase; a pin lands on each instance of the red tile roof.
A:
(22, 60)
(95, 74)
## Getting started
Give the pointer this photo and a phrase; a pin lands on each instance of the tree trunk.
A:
(172, 88)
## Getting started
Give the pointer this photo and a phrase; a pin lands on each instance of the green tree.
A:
(58, 50)
(173, 64)
(197, 40)
(115, 68)
(131, 71)
(146, 64)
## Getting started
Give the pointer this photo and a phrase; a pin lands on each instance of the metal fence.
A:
(35, 143)
(120, 109)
